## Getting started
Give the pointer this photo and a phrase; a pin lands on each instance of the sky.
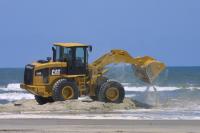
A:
(168, 30)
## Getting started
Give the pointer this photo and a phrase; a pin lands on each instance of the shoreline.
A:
(136, 114)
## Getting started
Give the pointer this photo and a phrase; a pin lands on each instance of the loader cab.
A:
(74, 54)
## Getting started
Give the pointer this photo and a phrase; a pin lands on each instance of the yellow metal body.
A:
(147, 69)
(69, 45)
(45, 90)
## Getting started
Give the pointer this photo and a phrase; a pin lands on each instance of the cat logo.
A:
(55, 72)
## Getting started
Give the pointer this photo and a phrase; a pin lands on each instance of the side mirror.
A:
(48, 59)
(90, 48)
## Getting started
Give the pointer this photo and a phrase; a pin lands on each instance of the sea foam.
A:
(16, 87)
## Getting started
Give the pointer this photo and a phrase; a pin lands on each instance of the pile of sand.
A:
(85, 105)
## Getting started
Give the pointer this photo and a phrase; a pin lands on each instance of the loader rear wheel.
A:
(65, 90)
(43, 100)
(112, 92)
(100, 82)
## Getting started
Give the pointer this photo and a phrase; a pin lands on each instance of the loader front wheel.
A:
(65, 90)
(43, 100)
(112, 92)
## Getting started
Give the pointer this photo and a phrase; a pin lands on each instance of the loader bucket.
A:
(148, 69)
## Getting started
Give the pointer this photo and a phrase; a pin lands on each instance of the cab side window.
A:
(80, 61)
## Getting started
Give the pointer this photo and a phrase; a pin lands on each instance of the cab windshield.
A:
(63, 53)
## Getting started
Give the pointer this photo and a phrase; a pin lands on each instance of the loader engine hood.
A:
(42, 69)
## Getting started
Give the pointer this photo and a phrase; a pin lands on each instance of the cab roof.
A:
(70, 45)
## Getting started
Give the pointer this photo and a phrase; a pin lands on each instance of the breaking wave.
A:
(13, 92)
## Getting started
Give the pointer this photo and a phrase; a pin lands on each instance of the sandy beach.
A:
(96, 126)
(79, 106)
(84, 116)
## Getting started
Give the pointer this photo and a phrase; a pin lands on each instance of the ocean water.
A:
(177, 92)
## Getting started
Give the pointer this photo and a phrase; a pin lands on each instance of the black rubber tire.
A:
(107, 85)
(100, 82)
(59, 85)
(43, 100)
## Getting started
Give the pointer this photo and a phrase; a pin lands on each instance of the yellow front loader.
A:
(69, 76)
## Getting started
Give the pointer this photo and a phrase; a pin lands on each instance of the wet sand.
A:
(96, 126)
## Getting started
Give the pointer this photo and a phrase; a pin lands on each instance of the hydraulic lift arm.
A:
(147, 68)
